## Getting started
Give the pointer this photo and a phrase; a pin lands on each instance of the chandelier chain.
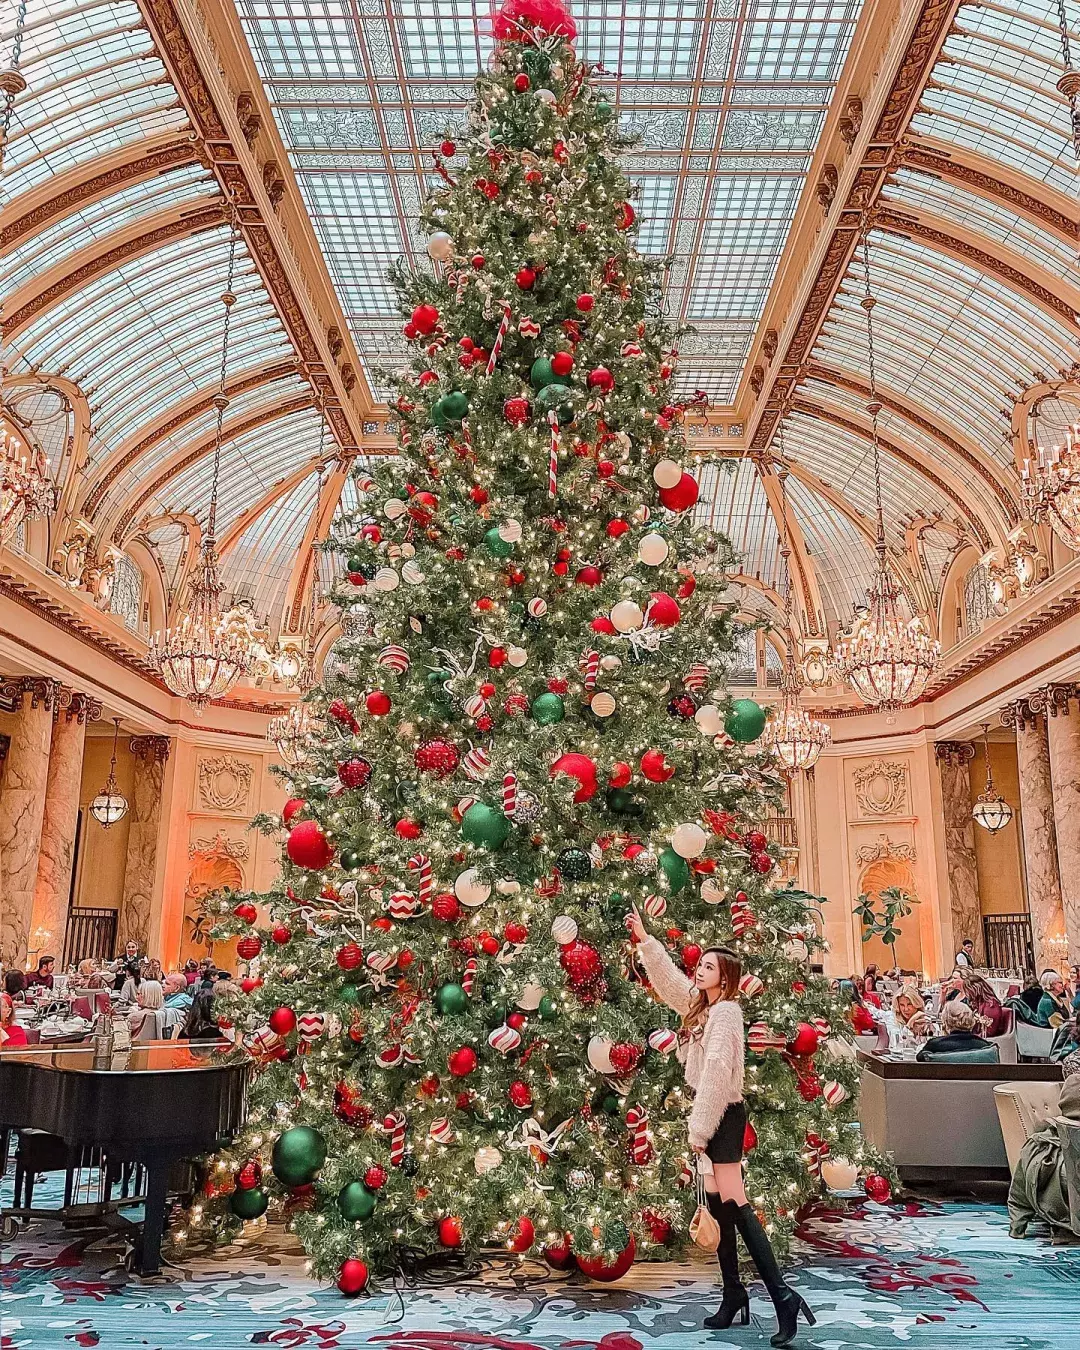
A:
(874, 406)
(13, 81)
(228, 299)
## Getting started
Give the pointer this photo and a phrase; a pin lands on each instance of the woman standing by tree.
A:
(712, 1053)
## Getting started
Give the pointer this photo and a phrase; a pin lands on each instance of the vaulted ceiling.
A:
(769, 130)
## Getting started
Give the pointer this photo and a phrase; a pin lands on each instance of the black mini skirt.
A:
(726, 1145)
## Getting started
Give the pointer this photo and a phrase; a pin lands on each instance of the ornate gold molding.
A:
(954, 752)
(150, 749)
(885, 848)
(42, 692)
(225, 782)
(881, 788)
(83, 707)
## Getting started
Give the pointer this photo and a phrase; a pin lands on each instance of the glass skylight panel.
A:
(749, 218)
(796, 40)
(1030, 29)
(261, 560)
(303, 39)
(655, 207)
(440, 39)
(642, 39)
(841, 555)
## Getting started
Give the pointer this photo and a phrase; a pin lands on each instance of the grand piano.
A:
(154, 1104)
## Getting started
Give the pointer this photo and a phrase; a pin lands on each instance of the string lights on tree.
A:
(886, 657)
(204, 654)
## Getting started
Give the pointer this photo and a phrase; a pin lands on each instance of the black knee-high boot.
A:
(736, 1301)
(787, 1302)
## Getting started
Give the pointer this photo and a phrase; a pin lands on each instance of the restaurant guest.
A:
(958, 1038)
(11, 1033)
(15, 985)
(1054, 1008)
(43, 976)
(129, 989)
(149, 998)
(177, 994)
(981, 999)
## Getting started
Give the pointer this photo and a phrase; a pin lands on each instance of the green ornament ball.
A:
(250, 1204)
(603, 110)
(610, 1105)
(298, 1155)
(355, 1201)
(351, 859)
(547, 1009)
(746, 721)
(438, 417)
(496, 545)
(541, 373)
(676, 870)
(451, 998)
(484, 826)
(559, 398)
(455, 405)
(547, 709)
(574, 864)
(624, 803)
(349, 993)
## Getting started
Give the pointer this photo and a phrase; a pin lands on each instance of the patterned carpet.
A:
(915, 1275)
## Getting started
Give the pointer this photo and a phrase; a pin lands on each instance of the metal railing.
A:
(1008, 942)
(90, 933)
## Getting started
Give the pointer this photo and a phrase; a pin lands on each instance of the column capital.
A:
(80, 707)
(151, 749)
(1052, 700)
(954, 752)
(41, 691)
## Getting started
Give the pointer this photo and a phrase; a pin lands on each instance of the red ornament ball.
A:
(749, 1138)
(449, 149)
(526, 278)
(602, 379)
(560, 1255)
(521, 82)
(520, 1094)
(352, 1277)
(756, 841)
(515, 932)
(445, 907)
(517, 1020)
(450, 1231)
(478, 261)
(349, 956)
(249, 1176)
(377, 703)
(354, 773)
(248, 985)
(582, 962)
(291, 807)
(282, 1021)
(517, 410)
(280, 934)
(655, 767)
(562, 363)
(691, 955)
(617, 528)
(425, 319)
(408, 829)
(682, 496)
(664, 611)
(489, 945)
(625, 1057)
(599, 1268)
(589, 575)
(437, 757)
(625, 216)
(462, 1061)
(761, 862)
(585, 302)
(523, 1234)
(659, 1226)
(248, 948)
(246, 912)
(877, 1188)
(581, 768)
(806, 1041)
(375, 1177)
(308, 847)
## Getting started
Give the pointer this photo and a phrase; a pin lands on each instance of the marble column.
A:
(1040, 835)
(56, 855)
(140, 865)
(22, 809)
(1063, 738)
(953, 759)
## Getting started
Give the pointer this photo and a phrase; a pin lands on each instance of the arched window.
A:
(127, 589)
(774, 666)
(978, 599)
(744, 657)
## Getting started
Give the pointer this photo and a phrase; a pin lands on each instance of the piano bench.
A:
(42, 1152)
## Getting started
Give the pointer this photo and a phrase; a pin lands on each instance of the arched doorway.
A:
(876, 877)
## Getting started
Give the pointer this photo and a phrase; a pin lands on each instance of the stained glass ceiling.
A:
(727, 98)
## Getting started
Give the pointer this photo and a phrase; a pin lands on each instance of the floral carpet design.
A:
(915, 1275)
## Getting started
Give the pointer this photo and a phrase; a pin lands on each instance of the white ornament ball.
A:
(510, 531)
(440, 246)
(712, 892)
(529, 998)
(839, 1174)
(653, 550)
(486, 1160)
(517, 656)
(386, 579)
(795, 949)
(599, 1054)
(394, 508)
(627, 616)
(537, 607)
(508, 886)
(602, 704)
(564, 929)
(689, 840)
(470, 888)
(412, 574)
(610, 663)
(667, 473)
(708, 720)
(408, 550)
(655, 906)
(546, 96)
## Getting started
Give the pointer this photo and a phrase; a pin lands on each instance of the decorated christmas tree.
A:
(523, 731)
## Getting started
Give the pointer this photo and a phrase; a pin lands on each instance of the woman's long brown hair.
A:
(730, 974)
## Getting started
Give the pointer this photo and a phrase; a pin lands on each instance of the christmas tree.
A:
(522, 732)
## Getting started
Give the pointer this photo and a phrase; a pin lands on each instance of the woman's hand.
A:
(635, 926)
(697, 1148)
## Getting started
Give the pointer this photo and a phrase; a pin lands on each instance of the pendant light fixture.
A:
(110, 805)
(794, 737)
(886, 658)
(991, 810)
(203, 655)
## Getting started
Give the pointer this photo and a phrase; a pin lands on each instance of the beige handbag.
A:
(704, 1230)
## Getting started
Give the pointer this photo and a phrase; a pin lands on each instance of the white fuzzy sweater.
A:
(713, 1057)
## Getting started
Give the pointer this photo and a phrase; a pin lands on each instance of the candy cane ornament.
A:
(637, 1122)
(468, 979)
(420, 863)
(394, 1125)
(509, 794)
(590, 664)
(553, 455)
(500, 338)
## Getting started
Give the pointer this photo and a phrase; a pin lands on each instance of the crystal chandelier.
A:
(991, 810)
(886, 658)
(110, 805)
(204, 655)
(794, 737)
(26, 486)
(1051, 487)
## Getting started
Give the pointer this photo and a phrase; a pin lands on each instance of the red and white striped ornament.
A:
(750, 986)
(509, 794)
(834, 1093)
(395, 658)
(590, 667)
(476, 764)
(394, 1125)
(821, 1026)
(468, 979)
(504, 1039)
(696, 677)
(441, 1131)
(529, 328)
(553, 455)
(742, 918)
(500, 338)
(655, 906)
(390, 1058)
(537, 607)
(420, 865)
(462, 805)
(663, 1040)
(761, 1038)
(402, 906)
(637, 1122)
(474, 706)
(632, 351)
(311, 1025)
(262, 1041)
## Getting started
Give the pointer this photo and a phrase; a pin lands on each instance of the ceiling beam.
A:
(91, 180)
(144, 236)
(274, 493)
(803, 570)
(298, 592)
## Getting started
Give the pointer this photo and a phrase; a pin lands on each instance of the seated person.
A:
(958, 1039)
(151, 970)
(148, 999)
(907, 1005)
(859, 1014)
(191, 970)
(176, 991)
(1054, 1009)
(11, 1034)
(129, 988)
(985, 1004)
(15, 985)
(1040, 1188)
(201, 1024)
(43, 976)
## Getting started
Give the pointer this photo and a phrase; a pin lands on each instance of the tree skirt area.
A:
(913, 1275)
